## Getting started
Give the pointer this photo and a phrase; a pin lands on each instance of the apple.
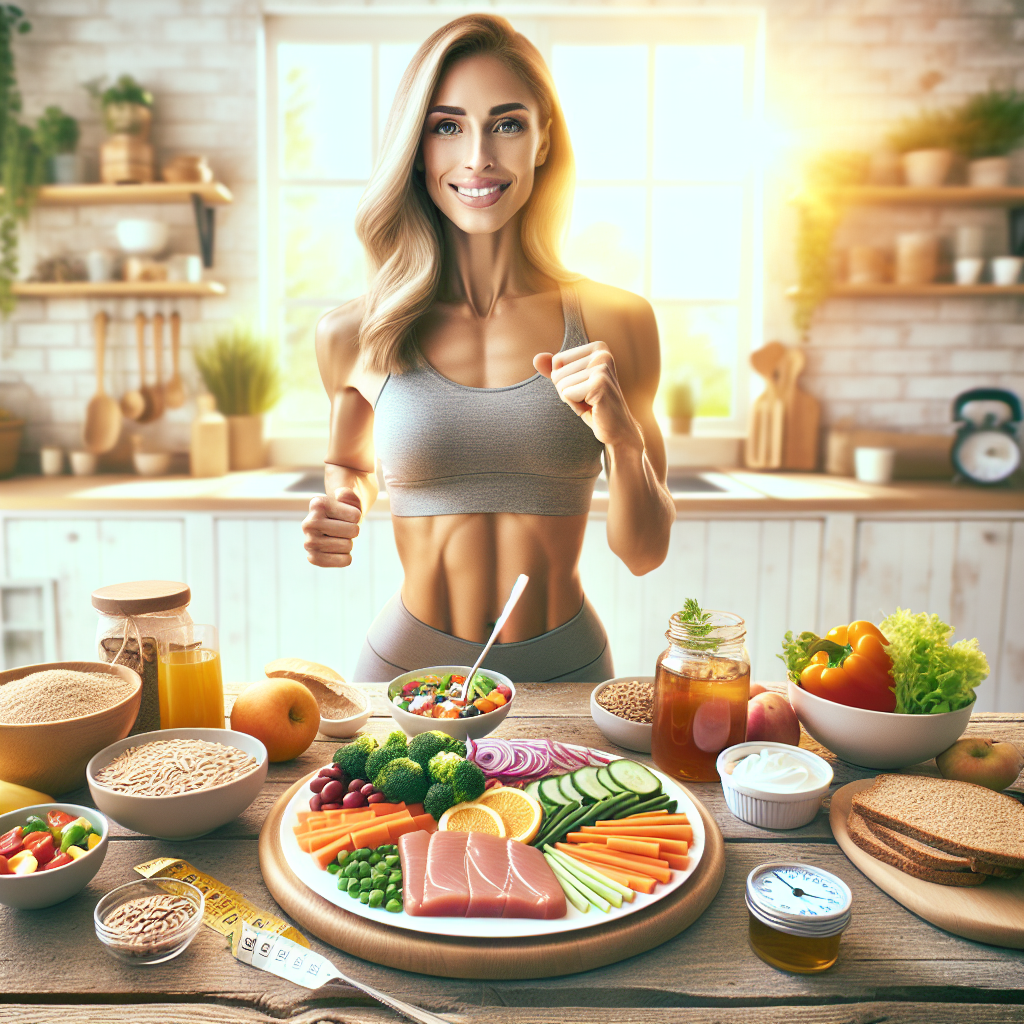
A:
(770, 717)
(281, 713)
(711, 724)
(755, 689)
(985, 762)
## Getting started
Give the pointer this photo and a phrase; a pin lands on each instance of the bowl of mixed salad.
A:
(433, 698)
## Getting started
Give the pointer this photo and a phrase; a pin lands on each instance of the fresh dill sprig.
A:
(698, 627)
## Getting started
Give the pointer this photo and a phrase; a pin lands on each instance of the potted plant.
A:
(127, 155)
(127, 108)
(240, 370)
(992, 126)
(680, 405)
(928, 143)
(56, 135)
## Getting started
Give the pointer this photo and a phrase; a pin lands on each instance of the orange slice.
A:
(520, 813)
(472, 817)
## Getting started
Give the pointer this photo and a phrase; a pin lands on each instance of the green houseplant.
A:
(680, 405)
(56, 135)
(991, 127)
(928, 142)
(127, 106)
(240, 369)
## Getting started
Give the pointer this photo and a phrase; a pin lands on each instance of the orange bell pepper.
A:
(852, 668)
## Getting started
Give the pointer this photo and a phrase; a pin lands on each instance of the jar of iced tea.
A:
(701, 688)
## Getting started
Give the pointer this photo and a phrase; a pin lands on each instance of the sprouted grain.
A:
(173, 767)
(148, 924)
(56, 694)
(633, 701)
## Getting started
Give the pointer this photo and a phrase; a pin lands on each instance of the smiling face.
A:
(482, 141)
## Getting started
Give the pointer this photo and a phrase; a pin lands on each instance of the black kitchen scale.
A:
(987, 449)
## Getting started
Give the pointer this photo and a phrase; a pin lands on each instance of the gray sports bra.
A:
(447, 448)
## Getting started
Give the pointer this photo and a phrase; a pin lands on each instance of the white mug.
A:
(874, 465)
(968, 269)
(51, 461)
(83, 463)
(99, 264)
(1006, 269)
(185, 267)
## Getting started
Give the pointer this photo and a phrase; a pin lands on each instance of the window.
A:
(663, 114)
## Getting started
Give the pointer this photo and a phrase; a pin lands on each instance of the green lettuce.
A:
(932, 676)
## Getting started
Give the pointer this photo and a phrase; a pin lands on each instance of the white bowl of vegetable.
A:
(413, 714)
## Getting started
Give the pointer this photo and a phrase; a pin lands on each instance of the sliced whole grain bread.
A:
(996, 870)
(870, 843)
(921, 853)
(957, 817)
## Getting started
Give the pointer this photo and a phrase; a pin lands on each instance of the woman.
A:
(469, 371)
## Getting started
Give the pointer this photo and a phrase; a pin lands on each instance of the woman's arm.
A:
(614, 393)
(350, 478)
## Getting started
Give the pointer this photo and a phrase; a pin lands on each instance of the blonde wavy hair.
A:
(397, 221)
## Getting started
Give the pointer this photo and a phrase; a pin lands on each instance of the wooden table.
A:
(893, 966)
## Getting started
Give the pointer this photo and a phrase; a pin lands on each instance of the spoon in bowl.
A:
(513, 599)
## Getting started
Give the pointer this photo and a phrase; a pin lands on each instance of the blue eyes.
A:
(506, 126)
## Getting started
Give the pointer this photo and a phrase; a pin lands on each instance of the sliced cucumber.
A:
(551, 794)
(532, 789)
(634, 777)
(586, 782)
(570, 791)
(605, 778)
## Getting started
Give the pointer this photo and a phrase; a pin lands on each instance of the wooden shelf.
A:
(929, 291)
(948, 195)
(212, 194)
(118, 289)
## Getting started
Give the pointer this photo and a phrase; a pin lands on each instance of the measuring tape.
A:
(224, 908)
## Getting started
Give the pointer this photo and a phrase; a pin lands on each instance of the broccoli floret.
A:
(441, 766)
(467, 781)
(424, 746)
(402, 779)
(396, 739)
(438, 799)
(382, 755)
(351, 758)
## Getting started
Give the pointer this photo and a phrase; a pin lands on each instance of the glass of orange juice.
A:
(189, 677)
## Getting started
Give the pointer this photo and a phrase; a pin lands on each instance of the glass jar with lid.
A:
(701, 688)
(130, 616)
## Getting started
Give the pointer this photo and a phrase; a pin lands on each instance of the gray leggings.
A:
(575, 652)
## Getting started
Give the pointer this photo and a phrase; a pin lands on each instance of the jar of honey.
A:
(701, 689)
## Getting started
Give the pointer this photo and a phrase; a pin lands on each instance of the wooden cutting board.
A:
(992, 913)
(501, 958)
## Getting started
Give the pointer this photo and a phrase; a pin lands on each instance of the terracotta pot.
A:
(247, 449)
(927, 168)
(990, 172)
(866, 265)
(680, 424)
(917, 255)
(10, 445)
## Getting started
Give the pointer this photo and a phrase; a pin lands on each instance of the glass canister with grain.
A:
(701, 688)
(130, 616)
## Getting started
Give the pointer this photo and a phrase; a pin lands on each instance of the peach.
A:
(281, 713)
(770, 717)
(755, 689)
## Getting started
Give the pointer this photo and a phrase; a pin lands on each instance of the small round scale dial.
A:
(800, 889)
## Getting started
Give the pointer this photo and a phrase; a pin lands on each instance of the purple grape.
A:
(317, 784)
(376, 798)
(315, 802)
(356, 785)
(332, 792)
(367, 789)
(353, 800)
(332, 771)
(330, 807)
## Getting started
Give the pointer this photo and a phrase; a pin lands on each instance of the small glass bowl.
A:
(167, 946)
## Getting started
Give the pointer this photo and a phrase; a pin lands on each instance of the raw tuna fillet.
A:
(446, 887)
(412, 848)
(460, 874)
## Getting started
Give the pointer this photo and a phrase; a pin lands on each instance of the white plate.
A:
(325, 884)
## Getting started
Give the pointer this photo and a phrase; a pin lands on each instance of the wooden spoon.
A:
(103, 414)
(175, 393)
(133, 403)
(148, 393)
(160, 389)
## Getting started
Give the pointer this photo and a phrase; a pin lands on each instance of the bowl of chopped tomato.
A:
(433, 698)
(49, 852)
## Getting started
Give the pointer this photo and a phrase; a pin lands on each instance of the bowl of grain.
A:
(178, 783)
(55, 716)
(150, 920)
(622, 708)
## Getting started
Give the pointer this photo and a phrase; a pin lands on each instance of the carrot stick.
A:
(665, 845)
(637, 846)
(384, 808)
(415, 809)
(316, 839)
(665, 819)
(644, 831)
(372, 837)
(648, 864)
(623, 861)
(639, 883)
(678, 861)
(326, 854)
(644, 814)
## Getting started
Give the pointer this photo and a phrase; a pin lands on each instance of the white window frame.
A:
(545, 26)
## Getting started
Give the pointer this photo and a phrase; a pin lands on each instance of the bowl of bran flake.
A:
(54, 717)
(622, 709)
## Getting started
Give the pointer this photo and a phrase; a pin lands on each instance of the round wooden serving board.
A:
(499, 959)
(992, 912)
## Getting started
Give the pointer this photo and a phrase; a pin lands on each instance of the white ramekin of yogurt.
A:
(773, 785)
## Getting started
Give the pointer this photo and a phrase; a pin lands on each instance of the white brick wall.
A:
(838, 74)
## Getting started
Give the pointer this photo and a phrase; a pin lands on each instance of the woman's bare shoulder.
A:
(337, 342)
(617, 313)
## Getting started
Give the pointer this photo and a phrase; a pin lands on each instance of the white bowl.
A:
(46, 888)
(460, 728)
(141, 237)
(342, 728)
(188, 815)
(151, 463)
(622, 732)
(773, 810)
(877, 739)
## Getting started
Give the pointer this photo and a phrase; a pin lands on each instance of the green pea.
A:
(375, 858)
(364, 897)
(353, 887)
(395, 876)
(376, 897)
(391, 860)
(363, 854)
(393, 907)
(364, 869)
(343, 884)
(365, 884)
(344, 856)
(392, 888)
(333, 869)
(351, 870)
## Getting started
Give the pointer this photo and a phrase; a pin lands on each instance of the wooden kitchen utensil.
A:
(154, 400)
(103, 415)
(175, 392)
(158, 354)
(134, 403)
(803, 415)
(765, 437)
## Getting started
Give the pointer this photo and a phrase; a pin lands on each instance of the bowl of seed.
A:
(55, 716)
(622, 709)
(178, 783)
(149, 920)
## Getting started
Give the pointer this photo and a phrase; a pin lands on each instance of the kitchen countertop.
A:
(743, 492)
(893, 966)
